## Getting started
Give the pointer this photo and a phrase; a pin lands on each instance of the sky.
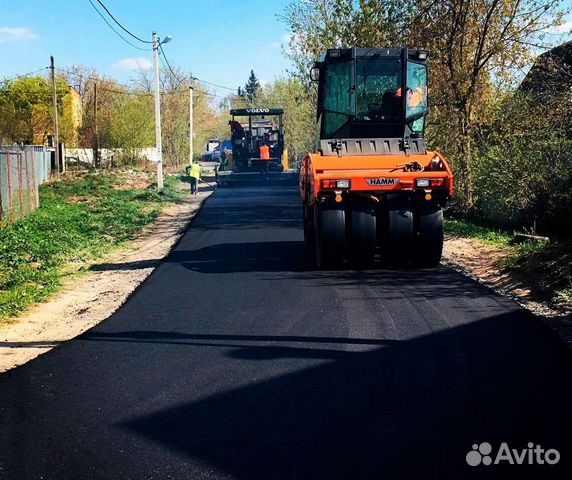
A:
(218, 41)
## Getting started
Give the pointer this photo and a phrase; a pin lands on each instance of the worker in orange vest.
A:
(265, 155)
(415, 98)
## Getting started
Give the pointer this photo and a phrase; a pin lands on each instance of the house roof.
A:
(552, 71)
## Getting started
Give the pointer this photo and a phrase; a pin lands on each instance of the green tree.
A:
(175, 113)
(523, 168)
(321, 24)
(26, 108)
(251, 88)
(131, 126)
(475, 45)
(299, 114)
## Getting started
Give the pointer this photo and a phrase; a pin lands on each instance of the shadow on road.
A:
(294, 258)
(135, 265)
(248, 217)
(246, 257)
(408, 409)
(230, 257)
(178, 384)
(264, 343)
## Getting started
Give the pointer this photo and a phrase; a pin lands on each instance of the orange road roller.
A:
(372, 189)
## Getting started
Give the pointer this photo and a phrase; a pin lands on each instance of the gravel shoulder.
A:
(480, 260)
(88, 299)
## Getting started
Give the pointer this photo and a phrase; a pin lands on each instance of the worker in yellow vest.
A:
(194, 172)
(285, 160)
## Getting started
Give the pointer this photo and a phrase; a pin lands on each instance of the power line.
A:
(163, 65)
(150, 94)
(164, 57)
(149, 42)
(169, 66)
(128, 88)
(209, 95)
(116, 32)
(128, 91)
(192, 78)
(99, 80)
(93, 79)
(124, 92)
(16, 77)
(121, 26)
(215, 84)
(138, 93)
(166, 65)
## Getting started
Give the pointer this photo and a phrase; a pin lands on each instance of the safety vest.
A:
(196, 170)
(264, 152)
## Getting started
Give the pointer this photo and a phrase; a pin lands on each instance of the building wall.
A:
(85, 155)
(72, 117)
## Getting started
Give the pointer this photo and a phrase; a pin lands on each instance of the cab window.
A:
(416, 101)
(337, 96)
(379, 89)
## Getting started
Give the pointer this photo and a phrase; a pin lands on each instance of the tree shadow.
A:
(278, 256)
(247, 217)
(407, 409)
(234, 209)
(238, 341)
(134, 265)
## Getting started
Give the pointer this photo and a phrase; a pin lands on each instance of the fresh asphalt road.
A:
(237, 359)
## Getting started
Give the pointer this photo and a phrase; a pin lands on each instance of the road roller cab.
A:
(371, 186)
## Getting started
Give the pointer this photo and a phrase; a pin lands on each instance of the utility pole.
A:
(55, 106)
(157, 113)
(95, 134)
(190, 123)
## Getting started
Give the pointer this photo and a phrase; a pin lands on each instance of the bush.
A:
(524, 167)
(526, 181)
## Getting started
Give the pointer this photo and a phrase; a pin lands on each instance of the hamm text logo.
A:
(382, 182)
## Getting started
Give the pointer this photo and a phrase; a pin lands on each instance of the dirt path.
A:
(87, 300)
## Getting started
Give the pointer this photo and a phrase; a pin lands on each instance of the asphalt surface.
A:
(237, 359)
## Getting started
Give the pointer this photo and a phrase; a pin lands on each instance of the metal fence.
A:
(22, 170)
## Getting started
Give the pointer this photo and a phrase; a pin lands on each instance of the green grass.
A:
(546, 265)
(498, 238)
(464, 228)
(79, 220)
